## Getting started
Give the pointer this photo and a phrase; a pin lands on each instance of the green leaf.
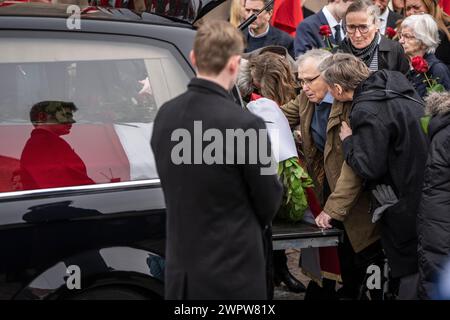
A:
(424, 123)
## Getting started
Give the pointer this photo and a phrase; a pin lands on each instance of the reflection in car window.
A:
(80, 113)
(47, 160)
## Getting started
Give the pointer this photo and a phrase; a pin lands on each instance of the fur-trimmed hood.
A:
(438, 106)
(438, 103)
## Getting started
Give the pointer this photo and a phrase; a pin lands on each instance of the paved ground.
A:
(282, 292)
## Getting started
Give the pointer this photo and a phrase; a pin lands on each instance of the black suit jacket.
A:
(307, 35)
(215, 213)
(274, 37)
(392, 19)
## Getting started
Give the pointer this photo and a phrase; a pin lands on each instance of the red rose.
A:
(419, 64)
(325, 30)
(390, 32)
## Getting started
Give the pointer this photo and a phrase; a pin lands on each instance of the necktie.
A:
(337, 35)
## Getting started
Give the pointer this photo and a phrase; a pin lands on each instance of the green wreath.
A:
(295, 180)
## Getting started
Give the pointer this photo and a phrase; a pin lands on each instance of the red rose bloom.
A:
(390, 32)
(419, 64)
(325, 30)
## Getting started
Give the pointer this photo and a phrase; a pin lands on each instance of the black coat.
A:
(392, 19)
(274, 37)
(391, 55)
(443, 50)
(433, 221)
(388, 146)
(215, 213)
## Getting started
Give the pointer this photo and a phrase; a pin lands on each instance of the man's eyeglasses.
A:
(307, 82)
(363, 28)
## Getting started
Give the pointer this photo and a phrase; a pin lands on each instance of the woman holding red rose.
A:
(419, 37)
(442, 19)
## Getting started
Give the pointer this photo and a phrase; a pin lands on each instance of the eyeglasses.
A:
(407, 36)
(351, 28)
(307, 82)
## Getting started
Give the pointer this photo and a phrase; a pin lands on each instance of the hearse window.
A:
(77, 112)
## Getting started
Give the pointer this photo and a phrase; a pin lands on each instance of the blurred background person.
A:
(419, 37)
(237, 12)
(365, 41)
(433, 221)
(442, 19)
(398, 6)
(260, 33)
(388, 18)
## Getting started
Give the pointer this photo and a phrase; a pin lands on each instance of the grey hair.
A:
(425, 30)
(317, 55)
(345, 70)
(367, 6)
(244, 80)
(437, 103)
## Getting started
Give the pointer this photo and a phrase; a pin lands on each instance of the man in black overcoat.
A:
(218, 202)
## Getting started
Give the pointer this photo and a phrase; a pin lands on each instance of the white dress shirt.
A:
(383, 21)
(332, 22)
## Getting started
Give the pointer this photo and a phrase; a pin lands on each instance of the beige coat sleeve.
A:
(346, 193)
(292, 112)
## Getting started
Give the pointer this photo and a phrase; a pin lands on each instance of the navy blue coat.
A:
(308, 36)
(274, 37)
(437, 70)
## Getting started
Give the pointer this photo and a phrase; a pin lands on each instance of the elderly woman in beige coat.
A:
(338, 188)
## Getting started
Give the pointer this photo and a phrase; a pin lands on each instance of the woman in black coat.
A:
(433, 221)
(387, 149)
(365, 42)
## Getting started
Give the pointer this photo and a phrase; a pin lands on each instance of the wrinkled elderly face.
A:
(312, 83)
(415, 7)
(382, 4)
(261, 23)
(361, 29)
(412, 46)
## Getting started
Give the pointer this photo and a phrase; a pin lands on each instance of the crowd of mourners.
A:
(365, 90)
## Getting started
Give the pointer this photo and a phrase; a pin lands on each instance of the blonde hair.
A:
(215, 43)
(275, 76)
(345, 70)
(236, 13)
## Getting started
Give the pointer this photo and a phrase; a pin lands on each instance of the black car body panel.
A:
(114, 232)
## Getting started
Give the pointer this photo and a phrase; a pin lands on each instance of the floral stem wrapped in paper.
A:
(294, 178)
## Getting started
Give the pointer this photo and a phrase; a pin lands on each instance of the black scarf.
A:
(365, 54)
